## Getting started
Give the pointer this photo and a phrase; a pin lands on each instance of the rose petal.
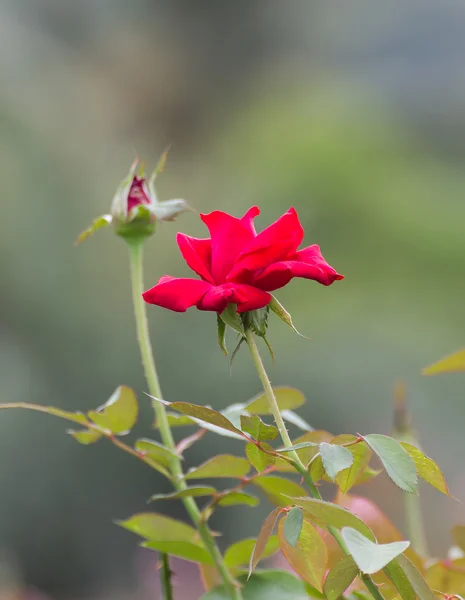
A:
(138, 193)
(176, 294)
(229, 236)
(307, 263)
(246, 297)
(275, 243)
(197, 253)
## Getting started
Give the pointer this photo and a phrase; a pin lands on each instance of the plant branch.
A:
(143, 337)
(287, 442)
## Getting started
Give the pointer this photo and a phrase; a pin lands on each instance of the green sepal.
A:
(98, 223)
(232, 318)
(222, 335)
(282, 313)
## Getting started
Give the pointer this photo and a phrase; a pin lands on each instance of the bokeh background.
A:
(353, 112)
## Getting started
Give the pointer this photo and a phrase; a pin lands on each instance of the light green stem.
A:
(136, 251)
(287, 442)
(416, 530)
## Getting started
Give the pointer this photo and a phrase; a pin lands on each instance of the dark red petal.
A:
(275, 243)
(137, 193)
(229, 237)
(197, 253)
(176, 294)
(246, 297)
(307, 263)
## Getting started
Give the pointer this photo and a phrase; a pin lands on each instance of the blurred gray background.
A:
(353, 112)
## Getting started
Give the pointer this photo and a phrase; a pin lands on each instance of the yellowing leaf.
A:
(361, 454)
(427, 468)
(205, 417)
(449, 364)
(240, 553)
(119, 413)
(262, 539)
(278, 490)
(157, 527)
(232, 498)
(86, 436)
(223, 465)
(190, 492)
(286, 397)
(323, 513)
(309, 557)
(340, 577)
(185, 550)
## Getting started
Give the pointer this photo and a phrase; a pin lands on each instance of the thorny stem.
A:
(273, 404)
(135, 253)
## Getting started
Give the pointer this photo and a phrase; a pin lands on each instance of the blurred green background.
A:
(353, 112)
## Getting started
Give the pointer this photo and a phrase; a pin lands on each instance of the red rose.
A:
(239, 266)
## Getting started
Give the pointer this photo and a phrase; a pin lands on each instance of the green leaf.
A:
(206, 417)
(340, 577)
(323, 513)
(155, 451)
(223, 465)
(222, 335)
(427, 468)
(159, 528)
(98, 223)
(297, 447)
(277, 489)
(309, 558)
(240, 553)
(262, 540)
(291, 417)
(458, 535)
(119, 413)
(86, 436)
(282, 313)
(184, 550)
(190, 492)
(259, 430)
(400, 580)
(361, 454)
(369, 556)
(232, 498)
(398, 463)
(231, 317)
(268, 585)
(175, 420)
(286, 397)
(449, 364)
(293, 526)
(335, 458)
(258, 459)
(415, 578)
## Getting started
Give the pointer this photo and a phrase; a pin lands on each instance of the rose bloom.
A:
(238, 266)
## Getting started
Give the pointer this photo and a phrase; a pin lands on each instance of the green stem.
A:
(136, 252)
(166, 585)
(287, 442)
(416, 530)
